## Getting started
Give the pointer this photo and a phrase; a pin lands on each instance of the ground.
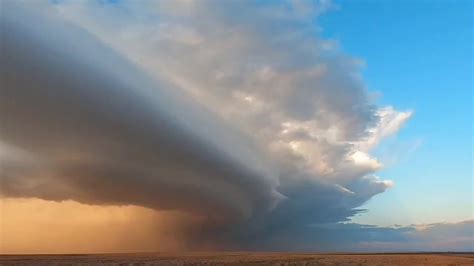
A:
(242, 258)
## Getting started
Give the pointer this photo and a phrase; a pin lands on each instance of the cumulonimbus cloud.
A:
(250, 120)
(94, 136)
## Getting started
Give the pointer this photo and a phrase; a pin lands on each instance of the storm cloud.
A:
(95, 137)
(259, 127)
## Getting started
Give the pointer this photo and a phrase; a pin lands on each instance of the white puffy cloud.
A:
(265, 69)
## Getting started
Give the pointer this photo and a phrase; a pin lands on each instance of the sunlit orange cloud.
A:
(39, 226)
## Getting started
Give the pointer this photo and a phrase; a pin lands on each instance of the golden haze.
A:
(39, 226)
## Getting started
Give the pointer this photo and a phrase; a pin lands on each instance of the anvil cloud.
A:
(234, 112)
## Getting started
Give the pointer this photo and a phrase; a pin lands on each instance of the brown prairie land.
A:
(242, 258)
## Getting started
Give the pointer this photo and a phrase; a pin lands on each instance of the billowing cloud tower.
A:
(249, 121)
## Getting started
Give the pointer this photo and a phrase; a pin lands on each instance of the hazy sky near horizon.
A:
(288, 125)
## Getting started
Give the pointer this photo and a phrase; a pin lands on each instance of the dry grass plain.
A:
(242, 258)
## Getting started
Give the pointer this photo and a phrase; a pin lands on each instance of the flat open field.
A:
(242, 258)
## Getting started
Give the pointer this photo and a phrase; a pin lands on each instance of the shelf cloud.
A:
(255, 127)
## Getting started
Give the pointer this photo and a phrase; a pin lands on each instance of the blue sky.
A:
(418, 56)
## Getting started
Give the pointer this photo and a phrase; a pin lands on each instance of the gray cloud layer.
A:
(351, 237)
(81, 113)
(251, 122)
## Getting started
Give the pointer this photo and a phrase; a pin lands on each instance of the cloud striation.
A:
(235, 112)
